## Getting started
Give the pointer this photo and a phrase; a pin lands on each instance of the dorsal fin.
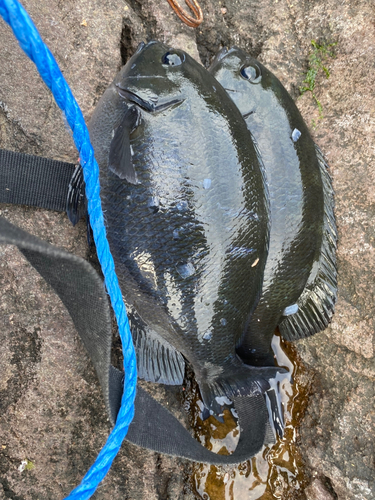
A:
(317, 301)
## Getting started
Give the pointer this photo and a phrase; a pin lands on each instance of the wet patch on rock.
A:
(277, 471)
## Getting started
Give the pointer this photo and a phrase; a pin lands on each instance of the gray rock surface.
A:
(51, 410)
(317, 491)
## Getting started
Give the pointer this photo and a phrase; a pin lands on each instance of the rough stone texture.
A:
(337, 432)
(51, 409)
(317, 491)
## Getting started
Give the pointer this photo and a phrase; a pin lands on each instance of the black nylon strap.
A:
(33, 180)
(153, 427)
(44, 183)
(82, 292)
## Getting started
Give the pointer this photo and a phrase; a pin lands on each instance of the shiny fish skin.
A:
(187, 222)
(296, 193)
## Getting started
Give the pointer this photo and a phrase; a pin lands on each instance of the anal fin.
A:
(317, 301)
(157, 360)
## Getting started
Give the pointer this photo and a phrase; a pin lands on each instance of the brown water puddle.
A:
(277, 471)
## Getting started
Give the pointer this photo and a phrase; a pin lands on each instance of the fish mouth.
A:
(140, 47)
(221, 54)
(151, 105)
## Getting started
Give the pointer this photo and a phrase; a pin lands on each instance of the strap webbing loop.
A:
(153, 427)
(34, 181)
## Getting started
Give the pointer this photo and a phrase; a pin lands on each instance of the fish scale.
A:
(186, 214)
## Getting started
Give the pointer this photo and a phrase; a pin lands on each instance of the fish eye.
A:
(251, 73)
(173, 58)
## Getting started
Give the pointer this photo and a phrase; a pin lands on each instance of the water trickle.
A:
(277, 471)
(223, 400)
(288, 311)
(182, 205)
(207, 335)
(240, 251)
(153, 204)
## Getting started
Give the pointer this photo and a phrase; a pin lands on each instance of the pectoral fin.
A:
(120, 152)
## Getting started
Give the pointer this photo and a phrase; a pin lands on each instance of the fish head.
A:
(154, 78)
(245, 79)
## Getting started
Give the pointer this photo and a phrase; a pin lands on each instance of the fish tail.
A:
(237, 380)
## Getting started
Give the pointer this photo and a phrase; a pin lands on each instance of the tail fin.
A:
(236, 380)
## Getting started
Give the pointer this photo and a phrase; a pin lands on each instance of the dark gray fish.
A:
(300, 284)
(186, 213)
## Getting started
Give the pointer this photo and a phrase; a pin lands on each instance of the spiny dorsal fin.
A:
(317, 301)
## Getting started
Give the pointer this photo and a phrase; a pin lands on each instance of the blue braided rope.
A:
(27, 35)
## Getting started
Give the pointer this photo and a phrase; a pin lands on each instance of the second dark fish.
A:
(300, 283)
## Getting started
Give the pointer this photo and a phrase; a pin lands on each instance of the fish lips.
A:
(222, 54)
(147, 105)
(151, 104)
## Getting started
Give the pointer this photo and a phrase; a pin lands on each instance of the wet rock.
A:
(318, 491)
(52, 413)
